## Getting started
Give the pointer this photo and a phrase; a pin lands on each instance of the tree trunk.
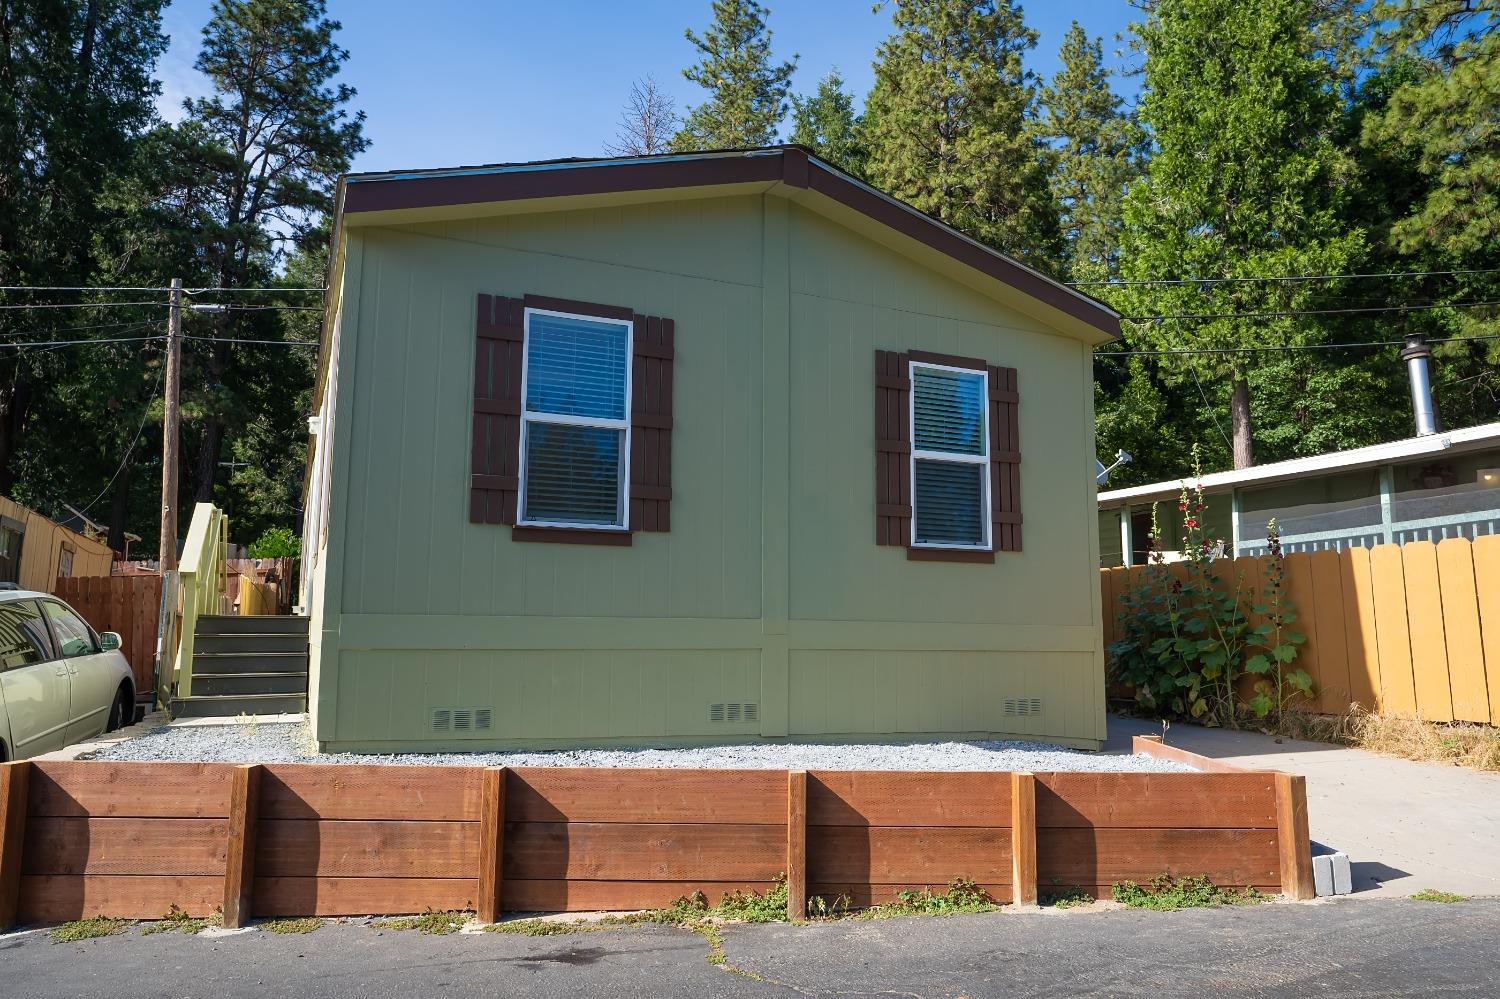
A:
(119, 510)
(13, 404)
(208, 459)
(1239, 411)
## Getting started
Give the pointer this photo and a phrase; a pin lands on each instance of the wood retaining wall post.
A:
(239, 857)
(796, 844)
(1023, 838)
(1292, 837)
(15, 779)
(491, 843)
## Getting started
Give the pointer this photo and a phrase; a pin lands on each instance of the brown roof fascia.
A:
(791, 165)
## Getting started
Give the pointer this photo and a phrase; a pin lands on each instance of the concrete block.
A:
(1343, 877)
(1323, 875)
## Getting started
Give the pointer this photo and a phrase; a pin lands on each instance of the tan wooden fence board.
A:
(1410, 630)
(128, 605)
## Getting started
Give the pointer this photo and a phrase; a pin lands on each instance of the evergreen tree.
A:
(949, 123)
(1245, 180)
(826, 124)
(263, 155)
(1096, 154)
(747, 93)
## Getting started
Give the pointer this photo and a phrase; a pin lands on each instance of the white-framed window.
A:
(575, 421)
(950, 457)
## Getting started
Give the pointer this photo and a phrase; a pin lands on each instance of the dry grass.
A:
(1461, 743)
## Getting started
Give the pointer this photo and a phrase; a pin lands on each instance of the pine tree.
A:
(949, 123)
(1096, 154)
(826, 124)
(747, 93)
(647, 122)
(1244, 181)
(262, 157)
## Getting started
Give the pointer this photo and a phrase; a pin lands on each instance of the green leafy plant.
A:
(276, 542)
(88, 929)
(1167, 894)
(431, 922)
(1185, 632)
(1068, 898)
(178, 921)
(1433, 895)
(961, 896)
(301, 924)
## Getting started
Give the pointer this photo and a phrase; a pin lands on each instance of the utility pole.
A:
(169, 431)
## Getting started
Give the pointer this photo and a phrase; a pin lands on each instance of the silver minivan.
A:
(60, 683)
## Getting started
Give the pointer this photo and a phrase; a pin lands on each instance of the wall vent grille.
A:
(442, 719)
(462, 721)
(1019, 707)
(734, 711)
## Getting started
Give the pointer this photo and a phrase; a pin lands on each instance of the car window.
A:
(23, 635)
(73, 636)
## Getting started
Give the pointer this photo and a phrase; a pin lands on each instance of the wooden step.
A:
(212, 642)
(251, 624)
(240, 684)
(244, 704)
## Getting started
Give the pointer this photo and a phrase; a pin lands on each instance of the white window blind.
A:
(950, 457)
(576, 431)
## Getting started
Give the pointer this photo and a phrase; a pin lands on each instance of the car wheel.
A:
(119, 712)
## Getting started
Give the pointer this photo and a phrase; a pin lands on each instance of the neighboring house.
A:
(622, 451)
(1424, 488)
(34, 551)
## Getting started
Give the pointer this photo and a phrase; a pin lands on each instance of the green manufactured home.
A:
(710, 448)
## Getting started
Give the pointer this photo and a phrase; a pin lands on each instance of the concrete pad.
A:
(1405, 825)
(291, 718)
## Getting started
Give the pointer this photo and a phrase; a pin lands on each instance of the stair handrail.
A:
(203, 583)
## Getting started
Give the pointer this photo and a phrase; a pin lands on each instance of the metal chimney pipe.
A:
(1418, 358)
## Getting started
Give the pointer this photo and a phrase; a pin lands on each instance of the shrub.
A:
(1186, 637)
(276, 542)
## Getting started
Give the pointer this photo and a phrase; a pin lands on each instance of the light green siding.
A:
(769, 589)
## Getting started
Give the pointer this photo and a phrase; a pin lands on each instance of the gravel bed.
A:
(292, 743)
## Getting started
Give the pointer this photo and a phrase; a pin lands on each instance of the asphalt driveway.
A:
(1405, 825)
(1333, 949)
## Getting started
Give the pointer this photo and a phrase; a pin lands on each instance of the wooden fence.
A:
(84, 838)
(1411, 630)
(129, 605)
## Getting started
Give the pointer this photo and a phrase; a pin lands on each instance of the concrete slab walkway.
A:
(1405, 825)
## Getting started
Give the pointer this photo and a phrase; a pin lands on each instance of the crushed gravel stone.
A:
(251, 742)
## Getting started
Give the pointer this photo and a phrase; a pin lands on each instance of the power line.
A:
(80, 329)
(1346, 310)
(125, 459)
(72, 343)
(1284, 277)
(82, 305)
(225, 339)
(245, 291)
(1286, 347)
(121, 287)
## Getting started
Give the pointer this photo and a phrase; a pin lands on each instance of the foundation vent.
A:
(734, 711)
(1020, 707)
(462, 720)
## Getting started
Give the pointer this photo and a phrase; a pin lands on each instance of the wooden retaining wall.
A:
(83, 838)
(1410, 630)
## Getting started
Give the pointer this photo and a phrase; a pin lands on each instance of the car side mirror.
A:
(110, 641)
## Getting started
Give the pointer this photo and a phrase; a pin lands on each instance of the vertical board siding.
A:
(121, 839)
(127, 605)
(1410, 630)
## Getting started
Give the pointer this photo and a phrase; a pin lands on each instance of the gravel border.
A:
(253, 742)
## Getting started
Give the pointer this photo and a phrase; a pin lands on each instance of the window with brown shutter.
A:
(585, 456)
(947, 456)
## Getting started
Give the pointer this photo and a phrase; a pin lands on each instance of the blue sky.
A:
(445, 82)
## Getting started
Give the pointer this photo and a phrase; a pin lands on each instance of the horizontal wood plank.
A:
(596, 896)
(859, 894)
(130, 790)
(364, 848)
(1152, 745)
(1143, 801)
(1104, 856)
(55, 898)
(370, 791)
(643, 852)
(895, 798)
(280, 896)
(75, 846)
(547, 794)
(908, 855)
(1049, 892)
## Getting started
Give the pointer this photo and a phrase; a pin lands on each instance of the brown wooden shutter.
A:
(651, 425)
(495, 461)
(1005, 460)
(892, 449)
